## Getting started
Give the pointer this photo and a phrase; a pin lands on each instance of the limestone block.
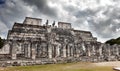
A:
(64, 25)
(32, 21)
(5, 49)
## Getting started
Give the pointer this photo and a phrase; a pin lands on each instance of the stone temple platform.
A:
(32, 43)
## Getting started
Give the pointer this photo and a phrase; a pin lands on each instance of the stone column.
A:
(100, 50)
(77, 52)
(57, 51)
(64, 50)
(49, 51)
(68, 51)
(29, 51)
(83, 47)
(34, 51)
(89, 53)
(117, 50)
(26, 50)
(20, 48)
(71, 50)
(109, 53)
(13, 54)
(93, 50)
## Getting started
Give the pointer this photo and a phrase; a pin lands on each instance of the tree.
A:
(113, 41)
(1, 42)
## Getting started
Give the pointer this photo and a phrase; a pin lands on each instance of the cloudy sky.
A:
(101, 17)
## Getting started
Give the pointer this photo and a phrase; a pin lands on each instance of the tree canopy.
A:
(113, 41)
(1, 42)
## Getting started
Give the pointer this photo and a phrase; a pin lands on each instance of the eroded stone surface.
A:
(31, 41)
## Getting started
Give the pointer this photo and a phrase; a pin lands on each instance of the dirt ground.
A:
(112, 63)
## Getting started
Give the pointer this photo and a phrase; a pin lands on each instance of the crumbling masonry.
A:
(32, 41)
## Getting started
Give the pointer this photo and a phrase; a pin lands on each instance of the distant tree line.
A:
(113, 41)
(1, 42)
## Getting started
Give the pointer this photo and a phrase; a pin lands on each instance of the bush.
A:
(1, 42)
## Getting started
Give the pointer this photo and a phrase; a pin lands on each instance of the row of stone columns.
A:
(29, 51)
(63, 50)
(66, 51)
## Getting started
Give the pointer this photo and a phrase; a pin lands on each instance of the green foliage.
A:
(1, 42)
(113, 41)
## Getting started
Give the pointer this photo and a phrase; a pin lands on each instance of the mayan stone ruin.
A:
(31, 43)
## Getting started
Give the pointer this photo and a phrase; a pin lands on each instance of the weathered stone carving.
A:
(31, 40)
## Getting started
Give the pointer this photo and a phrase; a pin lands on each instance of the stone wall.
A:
(27, 43)
(5, 49)
(64, 25)
(32, 21)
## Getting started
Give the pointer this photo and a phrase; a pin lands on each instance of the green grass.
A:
(80, 66)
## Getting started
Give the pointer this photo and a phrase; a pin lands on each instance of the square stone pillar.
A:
(100, 51)
(14, 52)
(89, 52)
(93, 50)
(49, 51)
(64, 51)
(33, 53)
(109, 52)
(57, 51)
(71, 51)
(26, 50)
(117, 50)
(77, 52)
(29, 51)
(68, 51)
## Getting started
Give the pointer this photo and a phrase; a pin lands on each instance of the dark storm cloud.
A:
(103, 27)
(43, 7)
(100, 17)
(80, 13)
(69, 8)
(2, 1)
(12, 11)
(85, 13)
(106, 28)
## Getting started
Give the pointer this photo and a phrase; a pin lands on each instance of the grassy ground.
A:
(80, 66)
